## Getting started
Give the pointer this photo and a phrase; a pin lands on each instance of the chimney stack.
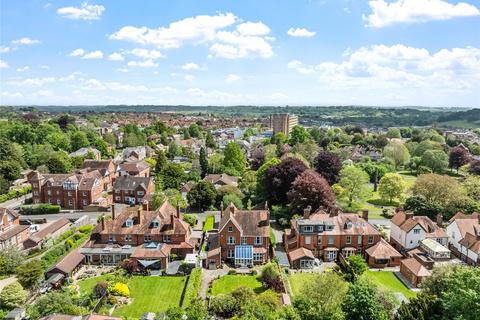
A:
(365, 215)
(139, 215)
(306, 212)
(113, 211)
(334, 212)
(408, 215)
(440, 220)
(232, 208)
(102, 220)
(178, 211)
(221, 209)
(266, 205)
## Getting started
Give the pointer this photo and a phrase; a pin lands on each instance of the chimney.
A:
(334, 212)
(102, 219)
(439, 220)
(113, 211)
(365, 215)
(232, 208)
(178, 211)
(172, 217)
(306, 212)
(266, 205)
(408, 215)
(221, 209)
(139, 215)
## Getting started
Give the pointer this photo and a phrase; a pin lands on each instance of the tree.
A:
(354, 181)
(203, 162)
(172, 176)
(260, 190)
(355, 267)
(363, 303)
(100, 289)
(232, 198)
(161, 161)
(174, 150)
(272, 278)
(475, 167)
(202, 195)
(458, 157)
(432, 188)
(472, 186)
(310, 189)
(392, 186)
(298, 135)
(59, 162)
(12, 296)
(215, 163)
(397, 153)
(329, 164)
(30, 273)
(279, 178)
(210, 141)
(234, 157)
(4, 185)
(79, 140)
(11, 161)
(421, 307)
(173, 196)
(55, 302)
(248, 184)
(436, 160)
(12, 257)
(308, 150)
(394, 133)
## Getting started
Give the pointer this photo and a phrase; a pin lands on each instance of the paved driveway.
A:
(173, 267)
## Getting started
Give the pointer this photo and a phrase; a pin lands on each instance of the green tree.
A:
(233, 198)
(215, 163)
(394, 133)
(298, 135)
(431, 187)
(172, 176)
(12, 257)
(354, 182)
(30, 273)
(472, 187)
(161, 161)
(202, 196)
(203, 162)
(420, 307)
(173, 196)
(436, 160)
(234, 157)
(308, 150)
(79, 140)
(248, 184)
(11, 161)
(55, 302)
(59, 162)
(355, 267)
(12, 296)
(210, 141)
(392, 186)
(397, 153)
(362, 302)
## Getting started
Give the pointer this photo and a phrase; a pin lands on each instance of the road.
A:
(75, 215)
(10, 204)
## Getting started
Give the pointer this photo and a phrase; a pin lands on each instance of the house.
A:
(85, 152)
(186, 188)
(70, 191)
(383, 255)
(328, 235)
(65, 267)
(11, 232)
(106, 168)
(464, 237)
(408, 230)
(151, 238)
(220, 180)
(135, 169)
(134, 153)
(301, 258)
(132, 190)
(51, 231)
(242, 238)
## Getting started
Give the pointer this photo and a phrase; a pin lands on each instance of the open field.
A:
(229, 283)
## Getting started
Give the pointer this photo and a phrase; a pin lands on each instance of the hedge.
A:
(12, 194)
(192, 287)
(42, 208)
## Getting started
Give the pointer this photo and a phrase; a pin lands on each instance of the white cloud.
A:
(97, 54)
(234, 45)
(22, 69)
(147, 54)
(26, 41)
(44, 66)
(123, 70)
(4, 49)
(190, 66)
(232, 78)
(415, 11)
(36, 82)
(399, 66)
(189, 77)
(116, 57)
(77, 53)
(143, 64)
(193, 29)
(12, 94)
(300, 32)
(253, 29)
(3, 64)
(84, 12)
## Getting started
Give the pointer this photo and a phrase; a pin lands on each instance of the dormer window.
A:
(348, 225)
(129, 223)
(155, 224)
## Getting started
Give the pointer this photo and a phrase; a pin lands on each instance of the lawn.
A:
(388, 281)
(230, 282)
(298, 280)
(86, 285)
(209, 223)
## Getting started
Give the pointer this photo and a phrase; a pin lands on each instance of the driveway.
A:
(173, 267)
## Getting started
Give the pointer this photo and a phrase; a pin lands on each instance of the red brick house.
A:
(383, 255)
(11, 232)
(328, 235)
(132, 190)
(107, 169)
(242, 238)
(149, 237)
(70, 191)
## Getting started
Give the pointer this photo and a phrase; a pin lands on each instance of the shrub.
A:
(193, 285)
(190, 219)
(85, 229)
(100, 289)
(42, 208)
(272, 278)
(12, 194)
(120, 289)
(12, 296)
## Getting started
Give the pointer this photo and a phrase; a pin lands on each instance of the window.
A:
(308, 229)
(370, 239)
(85, 202)
(147, 238)
(117, 198)
(359, 239)
(230, 229)
(257, 256)
(349, 239)
(49, 192)
(111, 238)
(70, 202)
(166, 238)
(49, 200)
(117, 191)
(231, 254)
(330, 239)
(416, 231)
(58, 201)
(230, 240)
(320, 228)
(140, 193)
(319, 240)
(128, 237)
(244, 240)
(308, 240)
(129, 223)
(258, 241)
(155, 224)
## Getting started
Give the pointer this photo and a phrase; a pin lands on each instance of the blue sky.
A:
(324, 52)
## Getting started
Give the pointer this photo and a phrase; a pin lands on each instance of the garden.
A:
(230, 282)
(389, 282)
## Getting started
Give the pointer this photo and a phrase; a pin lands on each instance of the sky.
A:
(248, 52)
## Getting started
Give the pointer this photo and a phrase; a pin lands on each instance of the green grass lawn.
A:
(298, 280)
(86, 285)
(152, 294)
(388, 281)
(209, 222)
(230, 282)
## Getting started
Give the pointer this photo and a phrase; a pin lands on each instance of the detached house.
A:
(407, 231)
(220, 180)
(149, 237)
(242, 238)
(464, 237)
(327, 235)
(11, 232)
(132, 190)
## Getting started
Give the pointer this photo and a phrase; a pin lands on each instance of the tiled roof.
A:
(416, 267)
(131, 183)
(408, 222)
(4, 211)
(13, 231)
(48, 230)
(69, 262)
(382, 250)
(249, 222)
(300, 253)
(136, 166)
(223, 178)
